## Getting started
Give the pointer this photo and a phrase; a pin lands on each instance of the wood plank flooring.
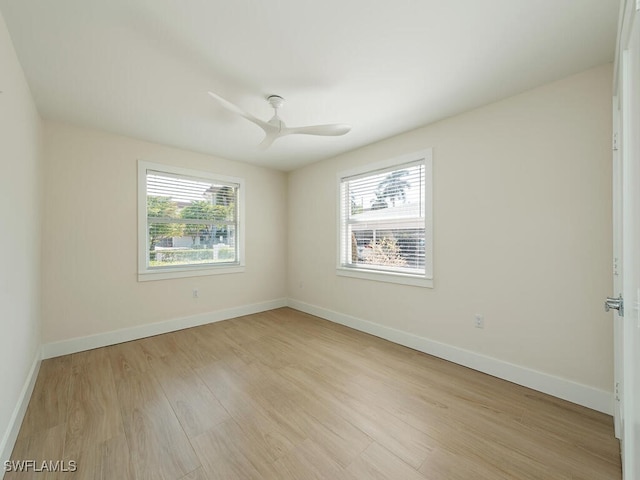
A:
(284, 395)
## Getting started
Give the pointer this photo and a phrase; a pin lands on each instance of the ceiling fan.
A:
(276, 128)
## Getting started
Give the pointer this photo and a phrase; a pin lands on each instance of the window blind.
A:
(383, 219)
(190, 221)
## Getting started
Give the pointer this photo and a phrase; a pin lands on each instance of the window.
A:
(189, 222)
(385, 221)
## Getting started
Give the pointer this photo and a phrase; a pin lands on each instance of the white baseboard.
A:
(10, 435)
(79, 344)
(574, 392)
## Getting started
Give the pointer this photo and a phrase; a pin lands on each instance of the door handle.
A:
(614, 303)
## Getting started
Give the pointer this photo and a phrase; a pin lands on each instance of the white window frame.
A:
(145, 273)
(420, 280)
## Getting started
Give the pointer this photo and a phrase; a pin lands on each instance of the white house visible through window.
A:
(189, 222)
(385, 221)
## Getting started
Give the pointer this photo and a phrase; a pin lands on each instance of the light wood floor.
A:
(284, 395)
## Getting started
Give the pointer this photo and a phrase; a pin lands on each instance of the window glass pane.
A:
(387, 194)
(389, 249)
(206, 244)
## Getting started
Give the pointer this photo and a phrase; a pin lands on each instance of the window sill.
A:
(151, 275)
(403, 279)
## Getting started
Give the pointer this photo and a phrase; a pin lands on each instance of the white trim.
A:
(414, 157)
(79, 344)
(144, 272)
(389, 277)
(188, 272)
(11, 434)
(578, 393)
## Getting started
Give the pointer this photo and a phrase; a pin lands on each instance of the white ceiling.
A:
(143, 67)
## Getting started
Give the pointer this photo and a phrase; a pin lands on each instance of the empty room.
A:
(286, 239)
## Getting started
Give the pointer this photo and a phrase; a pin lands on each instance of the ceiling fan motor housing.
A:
(275, 101)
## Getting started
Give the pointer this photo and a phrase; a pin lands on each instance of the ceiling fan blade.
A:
(275, 127)
(235, 109)
(326, 130)
(268, 140)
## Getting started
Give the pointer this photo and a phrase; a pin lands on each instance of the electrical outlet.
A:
(478, 320)
(195, 293)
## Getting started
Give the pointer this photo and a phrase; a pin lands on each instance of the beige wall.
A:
(90, 237)
(20, 186)
(522, 227)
